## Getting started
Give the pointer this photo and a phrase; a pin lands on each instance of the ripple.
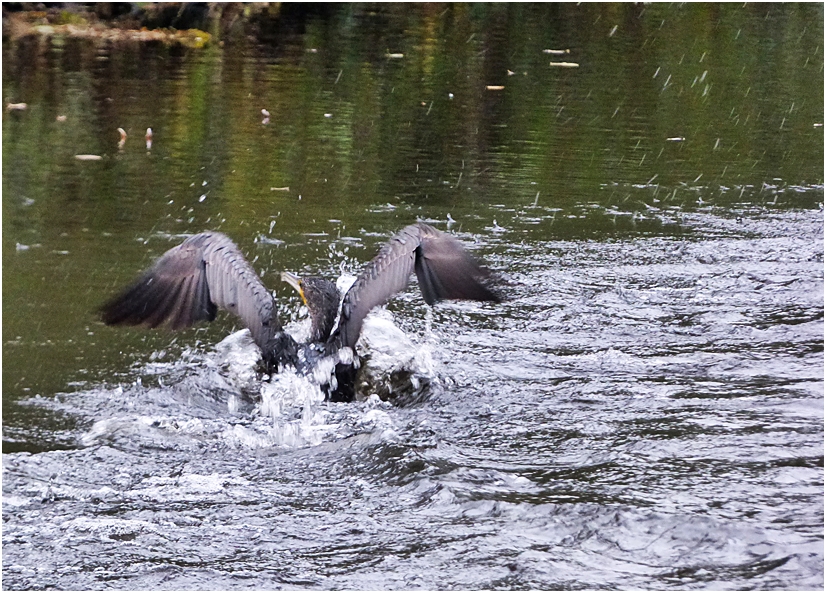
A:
(641, 413)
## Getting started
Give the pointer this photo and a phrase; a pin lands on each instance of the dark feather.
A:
(444, 269)
(189, 283)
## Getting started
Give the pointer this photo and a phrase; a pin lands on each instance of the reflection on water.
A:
(644, 411)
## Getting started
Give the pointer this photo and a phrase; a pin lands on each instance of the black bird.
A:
(322, 298)
(191, 281)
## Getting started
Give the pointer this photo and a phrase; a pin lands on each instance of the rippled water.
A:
(644, 411)
(652, 417)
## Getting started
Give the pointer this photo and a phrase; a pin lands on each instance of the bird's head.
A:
(322, 300)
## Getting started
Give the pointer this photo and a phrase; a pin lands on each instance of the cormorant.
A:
(191, 281)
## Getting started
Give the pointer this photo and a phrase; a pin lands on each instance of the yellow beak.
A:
(295, 282)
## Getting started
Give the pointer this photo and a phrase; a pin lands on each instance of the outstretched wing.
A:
(189, 283)
(444, 269)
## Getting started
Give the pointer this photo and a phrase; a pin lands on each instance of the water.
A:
(644, 411)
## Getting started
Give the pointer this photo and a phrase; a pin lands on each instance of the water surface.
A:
(644, 411)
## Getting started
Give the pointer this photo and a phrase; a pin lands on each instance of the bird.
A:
(322, 298)
(207, 272)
